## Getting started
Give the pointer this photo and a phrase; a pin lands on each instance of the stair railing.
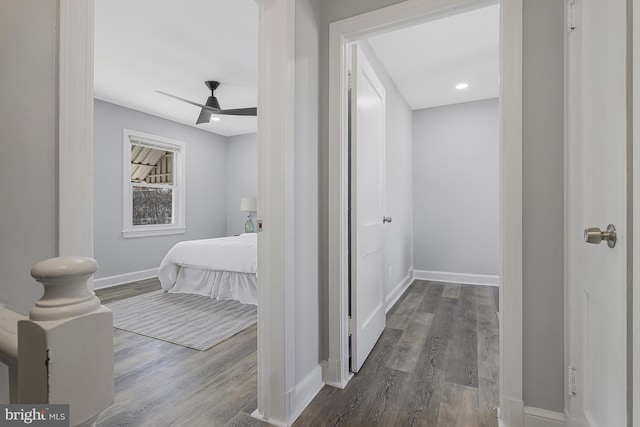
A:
(62, 353)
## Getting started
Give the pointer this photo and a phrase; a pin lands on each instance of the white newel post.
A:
(65, 347)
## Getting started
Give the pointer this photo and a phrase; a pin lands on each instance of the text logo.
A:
(34, 415)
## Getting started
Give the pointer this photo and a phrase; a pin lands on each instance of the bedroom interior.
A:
(184, 270)
(396, 162)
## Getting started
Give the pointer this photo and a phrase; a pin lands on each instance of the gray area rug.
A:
(193, 321)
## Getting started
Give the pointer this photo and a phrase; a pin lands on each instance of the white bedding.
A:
(222, 268)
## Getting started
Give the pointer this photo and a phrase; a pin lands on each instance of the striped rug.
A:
(193, 321)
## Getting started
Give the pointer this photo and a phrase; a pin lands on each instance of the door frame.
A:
(276, 351)
(405, 14)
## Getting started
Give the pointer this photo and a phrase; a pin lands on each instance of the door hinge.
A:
(349, 81)
(351, 325)
(571, 381)
(571, 15)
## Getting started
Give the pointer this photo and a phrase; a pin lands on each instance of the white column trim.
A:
(402, 15)
(511, 45)
(276, 328)
(75, 127)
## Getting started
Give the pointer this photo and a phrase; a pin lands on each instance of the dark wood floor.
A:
(436, 364)
(162, 384)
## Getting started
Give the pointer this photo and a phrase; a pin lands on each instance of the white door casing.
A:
(597, 179)
(367, 208)
(405, 14)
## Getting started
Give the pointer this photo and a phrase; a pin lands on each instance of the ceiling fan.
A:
(212, 106)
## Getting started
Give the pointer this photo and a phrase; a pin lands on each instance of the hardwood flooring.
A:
(162, 384)
(436, 364)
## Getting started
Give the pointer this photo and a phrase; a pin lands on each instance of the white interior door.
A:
(597, 197)
(367, 208)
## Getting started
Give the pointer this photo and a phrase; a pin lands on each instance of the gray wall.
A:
(242, 178)
(206, 193)
(305, 224)
(398, 235)
(28, 174)
(543, 182)
(456, 192)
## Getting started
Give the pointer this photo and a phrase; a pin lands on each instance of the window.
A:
(153, 185)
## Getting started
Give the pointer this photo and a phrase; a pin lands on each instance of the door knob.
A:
(386, 219)
(595, 235)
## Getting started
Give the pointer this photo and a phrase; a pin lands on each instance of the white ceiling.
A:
(427, 61)
(174, 46)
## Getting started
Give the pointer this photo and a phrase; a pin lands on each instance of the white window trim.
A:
(153, 141)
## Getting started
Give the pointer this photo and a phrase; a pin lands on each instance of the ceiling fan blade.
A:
(181, 99)
(252, 111)
(204, 107)
(204, 117)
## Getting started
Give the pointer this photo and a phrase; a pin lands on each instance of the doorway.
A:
(510, 270)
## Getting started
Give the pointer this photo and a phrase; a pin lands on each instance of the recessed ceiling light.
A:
(215, 119)
(461, 86)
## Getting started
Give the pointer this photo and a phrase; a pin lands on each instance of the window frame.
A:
(179, 200)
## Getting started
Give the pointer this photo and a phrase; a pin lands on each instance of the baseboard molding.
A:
(306, 390)
(258, 416)
(121, 279)
(536, 417)
(397, 292)
(511, 412)
(463, 278)
(331, 374)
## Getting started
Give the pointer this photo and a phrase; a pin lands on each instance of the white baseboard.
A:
(463, 278)
(397, 292)
(258, 416)
(306, 390)
(121, 279)
(511, 412)
(331, 374)
(536, 417)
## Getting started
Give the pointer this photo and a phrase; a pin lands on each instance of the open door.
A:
(367, 208)
(597, 198)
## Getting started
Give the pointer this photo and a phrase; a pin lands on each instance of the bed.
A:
(221, 268)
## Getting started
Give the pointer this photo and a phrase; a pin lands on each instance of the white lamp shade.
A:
(248, 204)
